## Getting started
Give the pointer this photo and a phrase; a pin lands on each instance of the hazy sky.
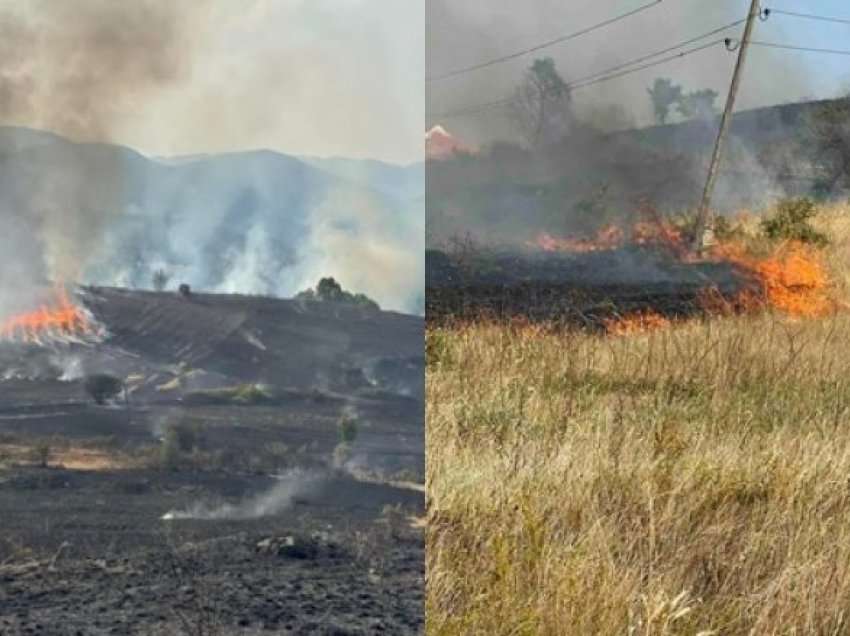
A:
(317, 77)
(464, 33)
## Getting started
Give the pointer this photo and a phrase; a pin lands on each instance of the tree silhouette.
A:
(543, 103)
(664, 94)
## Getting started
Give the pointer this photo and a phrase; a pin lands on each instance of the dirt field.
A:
(221, 497)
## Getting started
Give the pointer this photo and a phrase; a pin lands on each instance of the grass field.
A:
(689, 480)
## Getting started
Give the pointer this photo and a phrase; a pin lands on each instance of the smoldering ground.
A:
(292, 485)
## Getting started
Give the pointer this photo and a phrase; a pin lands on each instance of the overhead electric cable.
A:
(776, 45)
(807, 16)
(543, 45)
(581, 83)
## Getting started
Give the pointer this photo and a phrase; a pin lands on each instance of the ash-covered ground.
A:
(262, 473)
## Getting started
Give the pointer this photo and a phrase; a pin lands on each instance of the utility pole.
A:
(705, 205)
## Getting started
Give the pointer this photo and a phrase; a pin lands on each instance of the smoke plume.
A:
(603, 166)
(292, 485)
(75, 69)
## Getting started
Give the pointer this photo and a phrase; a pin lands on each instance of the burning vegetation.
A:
(642, 276)
(57, 319)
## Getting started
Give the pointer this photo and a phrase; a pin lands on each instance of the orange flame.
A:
(60, 318)
(793, 278)
(635, 322)
(649, 232)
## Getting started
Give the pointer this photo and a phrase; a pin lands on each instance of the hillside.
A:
(248, 222)
(264, 453)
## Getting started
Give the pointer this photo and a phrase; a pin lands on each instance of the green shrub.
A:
(347, 429)
(329, 290)
(792, 221)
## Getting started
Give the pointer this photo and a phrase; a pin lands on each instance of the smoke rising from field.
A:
(156, 74)
(294, 484)
(74, 68)
(584, 176)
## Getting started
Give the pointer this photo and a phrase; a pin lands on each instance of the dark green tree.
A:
(329, 290)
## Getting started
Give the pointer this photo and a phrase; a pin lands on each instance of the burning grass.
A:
(58, 318)
(684, 480)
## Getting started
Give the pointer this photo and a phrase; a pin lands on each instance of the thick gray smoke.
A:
(71, 68)
(254, 222)
(604, 166)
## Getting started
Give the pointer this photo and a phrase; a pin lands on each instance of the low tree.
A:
(664, 95)
(329, 290)
(102, 387)
(698, 104)
(542, 105)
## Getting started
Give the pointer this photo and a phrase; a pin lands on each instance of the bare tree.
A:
(542, 105)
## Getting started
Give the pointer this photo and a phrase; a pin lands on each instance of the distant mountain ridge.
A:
(252, 222)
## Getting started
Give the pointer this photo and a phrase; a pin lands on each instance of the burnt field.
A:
(580, 289)
(261, 473)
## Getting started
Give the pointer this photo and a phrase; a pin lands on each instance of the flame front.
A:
(793, 278)
(636, 322)
(60, 318)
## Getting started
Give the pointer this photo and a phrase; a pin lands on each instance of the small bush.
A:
(102, 387)
(347, 429)
(329, 290)
(181, 445)
(792, 221)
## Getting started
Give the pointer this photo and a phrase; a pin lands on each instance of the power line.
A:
(661, 52)
(543, 45)
(582, 84)
(664, 60)
(808, 16)
(791, 47)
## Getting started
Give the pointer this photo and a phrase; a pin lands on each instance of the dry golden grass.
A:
(692, 480)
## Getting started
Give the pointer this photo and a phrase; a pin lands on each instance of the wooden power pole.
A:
(705, 205)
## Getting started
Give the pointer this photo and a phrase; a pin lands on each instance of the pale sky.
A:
(314, 77)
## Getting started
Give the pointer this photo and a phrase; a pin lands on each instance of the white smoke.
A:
(294, 484)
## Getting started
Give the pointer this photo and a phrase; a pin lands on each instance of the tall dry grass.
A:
(693, 480)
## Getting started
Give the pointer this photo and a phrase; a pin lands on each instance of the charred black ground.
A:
(575, 289)
(261, 385)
